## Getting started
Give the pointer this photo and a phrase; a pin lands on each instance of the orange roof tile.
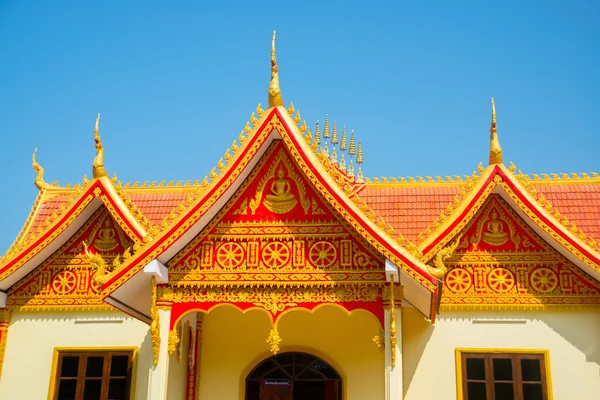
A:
(408, 208)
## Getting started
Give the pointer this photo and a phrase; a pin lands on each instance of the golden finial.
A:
(317, 134)
(326, 129)
(352, 148)
(39, 179)
(98, 170)
(343, 143)
(495, 149)
(359, 156)
(342, 163)
(275, 99)
(334, 135)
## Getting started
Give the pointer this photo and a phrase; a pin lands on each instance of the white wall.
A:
(32, 338)
(572, 337)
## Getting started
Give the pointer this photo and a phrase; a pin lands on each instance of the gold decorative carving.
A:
(379, 340)
(155, 325)
(98, 264)
(439, 269)
(273, 340)
(98, 170)
(107, 237)
(494, 234)
(393, 329)
(275, 299)
(495, 149)
(173, 340)
(275, 99)
(281, 200)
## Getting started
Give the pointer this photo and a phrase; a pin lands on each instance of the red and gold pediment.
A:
(65, 279)
(501, 262)
(276, 230)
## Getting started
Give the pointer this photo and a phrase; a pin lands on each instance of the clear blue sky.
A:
(176, 83)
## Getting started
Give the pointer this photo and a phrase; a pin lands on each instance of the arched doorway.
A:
(293, 376)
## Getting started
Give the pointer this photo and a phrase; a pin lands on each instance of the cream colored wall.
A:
(234, 343)
(572, 337)
(32, 338)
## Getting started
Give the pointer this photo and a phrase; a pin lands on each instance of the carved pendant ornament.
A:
(500, 263)
(276, 245)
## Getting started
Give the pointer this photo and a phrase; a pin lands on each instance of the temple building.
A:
(285, 274)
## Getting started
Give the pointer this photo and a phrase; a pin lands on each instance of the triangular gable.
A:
(65, 281)
(501, 263)
(39, 247)
(496, 179)
(202, 207)
(301, 237)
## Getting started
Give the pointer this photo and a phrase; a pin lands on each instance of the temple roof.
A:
(409, 206)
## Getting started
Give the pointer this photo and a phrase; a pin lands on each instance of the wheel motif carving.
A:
(458, 280)
(501, 279)
(322, 254)
(544, 280)
(64, 282)
(276, 255)
(230, 255)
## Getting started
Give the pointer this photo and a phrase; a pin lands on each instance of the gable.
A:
(276, 228)
(501, 262)
(65, 279)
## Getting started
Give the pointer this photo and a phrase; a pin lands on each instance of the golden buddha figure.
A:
(281, 199)
(495, 235)
(107, 238)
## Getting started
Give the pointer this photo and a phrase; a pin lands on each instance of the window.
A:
(510, 375)
(95, 375)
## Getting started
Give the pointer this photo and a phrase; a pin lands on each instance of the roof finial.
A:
(317, 134)
(495, 149)
(359, 156)
(98, 170)
(275, 99)
(343, 144)
(39, 179)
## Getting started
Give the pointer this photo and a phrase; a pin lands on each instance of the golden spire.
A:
(495, 149)
(326, 129)
(352, 148)
(317, 134)
(98, 170)
(275, 99)
(359, 156)
(343, 143)
(39, 179)
(334, 135)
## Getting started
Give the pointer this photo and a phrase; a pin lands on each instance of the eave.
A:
(98, 192)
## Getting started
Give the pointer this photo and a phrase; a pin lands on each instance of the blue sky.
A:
(176, 83)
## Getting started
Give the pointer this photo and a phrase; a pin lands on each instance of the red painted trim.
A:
(463, 214)
(365, 225)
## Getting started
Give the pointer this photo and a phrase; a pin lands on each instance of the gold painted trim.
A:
(520, 307)
(458, 352)
(89, 349)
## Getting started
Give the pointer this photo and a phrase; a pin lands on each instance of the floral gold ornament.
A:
(393, 328)
(274, 340)
(379, 340)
